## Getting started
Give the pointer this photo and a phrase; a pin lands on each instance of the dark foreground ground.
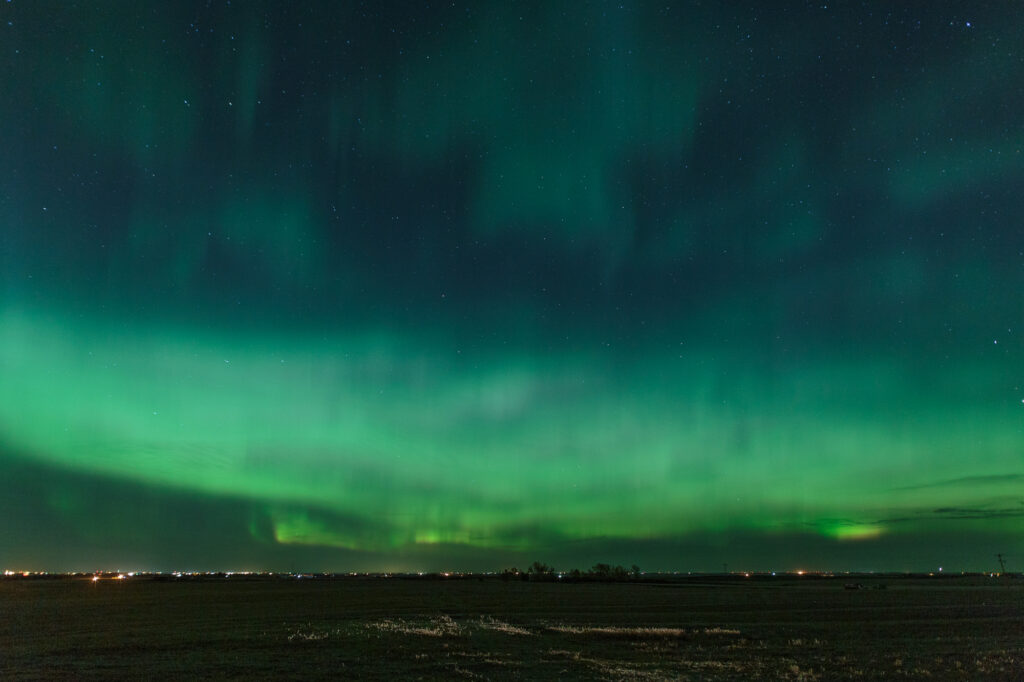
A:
(808, 629)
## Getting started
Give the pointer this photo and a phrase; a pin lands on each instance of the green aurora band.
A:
(452, 288)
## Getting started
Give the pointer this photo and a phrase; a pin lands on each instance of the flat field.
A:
(808, 629)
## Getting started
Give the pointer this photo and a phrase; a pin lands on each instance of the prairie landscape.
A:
(392, 286)
(730, 628)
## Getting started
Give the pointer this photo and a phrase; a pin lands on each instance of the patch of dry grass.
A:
(609, 631)
(495, 625)
(439, 626)
(615, 669)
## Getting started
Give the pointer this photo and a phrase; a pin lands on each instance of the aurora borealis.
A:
(378, 286)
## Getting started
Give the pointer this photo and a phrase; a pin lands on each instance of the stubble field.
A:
(808, 629)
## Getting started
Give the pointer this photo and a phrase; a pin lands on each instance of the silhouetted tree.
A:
(541, 572)
(607, 572)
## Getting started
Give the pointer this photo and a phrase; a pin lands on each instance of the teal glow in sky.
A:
(353, 287)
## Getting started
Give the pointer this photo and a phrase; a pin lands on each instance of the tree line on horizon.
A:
(541, 572)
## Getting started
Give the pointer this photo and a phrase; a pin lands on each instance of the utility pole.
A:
(1002, 564)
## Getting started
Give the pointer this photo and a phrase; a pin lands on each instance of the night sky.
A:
(397, 286)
